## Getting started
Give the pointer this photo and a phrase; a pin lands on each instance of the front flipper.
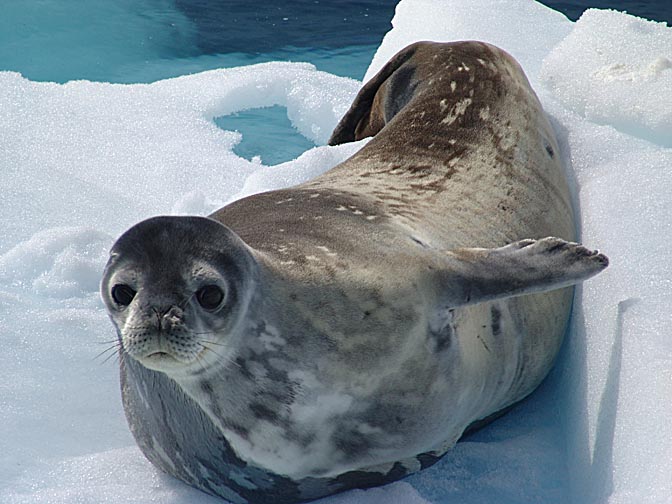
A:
(476, 275)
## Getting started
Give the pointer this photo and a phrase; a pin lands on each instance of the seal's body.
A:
(346, 332)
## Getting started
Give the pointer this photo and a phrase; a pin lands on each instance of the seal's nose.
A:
(168, 317)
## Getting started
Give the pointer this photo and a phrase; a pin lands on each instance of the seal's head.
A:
(177, 290)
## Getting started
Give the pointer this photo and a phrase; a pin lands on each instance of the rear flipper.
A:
(476, 275)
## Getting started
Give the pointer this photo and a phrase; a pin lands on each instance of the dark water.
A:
(264, 27)
(146, 40)
(256, 27)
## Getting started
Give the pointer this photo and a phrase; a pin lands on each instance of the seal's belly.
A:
(355, 400)
(348, 415)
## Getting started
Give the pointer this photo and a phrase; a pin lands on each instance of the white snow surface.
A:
(83, 161)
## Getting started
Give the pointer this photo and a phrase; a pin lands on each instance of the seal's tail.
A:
(392, 86)
(435, 84)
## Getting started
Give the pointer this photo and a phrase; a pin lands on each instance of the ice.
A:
(618, 369)
(620, 73)
(83, 161)
(308, 165)
(106, 155)
(526, 29)
(58, 262)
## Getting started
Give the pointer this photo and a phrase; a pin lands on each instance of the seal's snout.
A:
(158, 336)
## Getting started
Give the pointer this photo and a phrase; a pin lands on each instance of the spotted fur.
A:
(371, 315)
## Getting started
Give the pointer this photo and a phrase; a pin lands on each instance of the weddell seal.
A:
(347, 331)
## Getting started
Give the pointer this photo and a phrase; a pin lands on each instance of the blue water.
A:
(142, 41)
(130, 41)
(275, 142)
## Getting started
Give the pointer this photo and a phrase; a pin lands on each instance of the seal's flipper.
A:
(477, 275)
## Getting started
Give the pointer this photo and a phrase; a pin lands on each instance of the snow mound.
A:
(85, 153)
(58, 262)
(500, 24)
(310, 164)
(616, 69)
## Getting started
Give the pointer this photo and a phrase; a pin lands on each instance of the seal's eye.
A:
(210, 296)
(122, 294)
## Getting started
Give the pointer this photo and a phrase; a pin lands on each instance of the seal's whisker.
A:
(109, 342)
(186, 301)
(110, 349)
(201, 363)
(216, 343)
(203, 332)
(223, 357)
(207, 347)
(135, 328)
(121, 355)
(114, 354)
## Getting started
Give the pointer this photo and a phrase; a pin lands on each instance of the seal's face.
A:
(177, 288)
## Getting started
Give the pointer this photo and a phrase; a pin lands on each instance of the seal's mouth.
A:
(159, 358)
(159, 355)
(166, 360)
(162, 361)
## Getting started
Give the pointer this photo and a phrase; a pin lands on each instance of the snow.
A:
(83, 161)
(621, 73)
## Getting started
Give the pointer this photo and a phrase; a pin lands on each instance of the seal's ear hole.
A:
(210, 296)
(122, 294)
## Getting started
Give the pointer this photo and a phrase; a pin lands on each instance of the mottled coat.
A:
(375, 312)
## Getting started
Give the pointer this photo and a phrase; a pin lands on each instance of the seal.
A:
(347, 331)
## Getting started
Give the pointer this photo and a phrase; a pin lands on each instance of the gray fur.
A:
(372, 314)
